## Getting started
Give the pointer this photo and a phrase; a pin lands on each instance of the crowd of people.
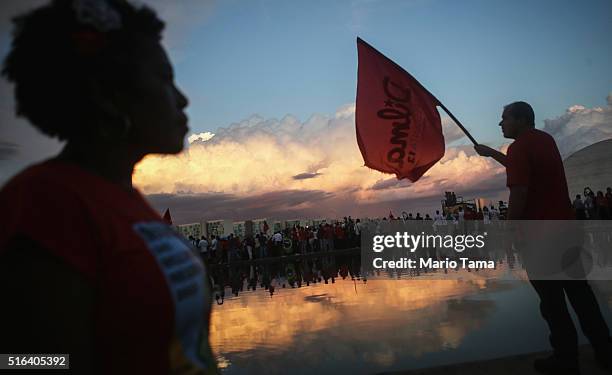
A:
(595, 206)
(300, 239)
(461, 213)
(346, 233)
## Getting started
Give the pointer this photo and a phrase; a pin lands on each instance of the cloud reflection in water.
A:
(368, 326)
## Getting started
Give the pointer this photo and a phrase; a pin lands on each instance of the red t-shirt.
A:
(534, 161)
(153, 301)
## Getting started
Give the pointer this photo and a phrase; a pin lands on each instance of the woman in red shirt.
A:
(87, 267)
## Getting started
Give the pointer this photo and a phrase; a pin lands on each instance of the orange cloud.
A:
(258, 156)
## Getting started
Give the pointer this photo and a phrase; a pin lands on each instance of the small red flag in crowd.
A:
(167, 217)
(398, 125)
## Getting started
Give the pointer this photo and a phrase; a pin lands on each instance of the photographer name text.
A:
(431, 263)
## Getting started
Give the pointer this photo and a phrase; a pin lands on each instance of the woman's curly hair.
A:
(56, 55)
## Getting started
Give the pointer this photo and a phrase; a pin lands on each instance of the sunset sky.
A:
(274, 82)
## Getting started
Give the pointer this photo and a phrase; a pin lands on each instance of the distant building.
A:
(591, 166)
(277, 227)
(258, 225)
(192, 229)
(218, 228)
(289, 224)
(306, 223)
(239, 229)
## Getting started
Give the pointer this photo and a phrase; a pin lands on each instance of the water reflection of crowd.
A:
(327, 268)
(271, 276)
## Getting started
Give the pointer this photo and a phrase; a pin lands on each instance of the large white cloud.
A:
(580, 127)
(260, 156)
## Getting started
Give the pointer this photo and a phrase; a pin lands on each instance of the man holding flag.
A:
(399, 131)
(538, 191)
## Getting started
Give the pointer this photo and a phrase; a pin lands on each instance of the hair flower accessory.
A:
(98, 14)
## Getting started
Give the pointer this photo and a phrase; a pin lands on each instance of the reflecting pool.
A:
(321, 316)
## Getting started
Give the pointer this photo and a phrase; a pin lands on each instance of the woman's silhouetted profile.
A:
(87, 267)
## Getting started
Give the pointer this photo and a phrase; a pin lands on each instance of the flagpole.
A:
(459, 124)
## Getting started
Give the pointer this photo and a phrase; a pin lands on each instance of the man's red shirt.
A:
(534, 161)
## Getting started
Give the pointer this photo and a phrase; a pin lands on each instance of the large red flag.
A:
(398, 125)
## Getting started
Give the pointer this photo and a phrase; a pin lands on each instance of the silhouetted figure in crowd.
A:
(601, 206)
(589, 203)
(579, 208)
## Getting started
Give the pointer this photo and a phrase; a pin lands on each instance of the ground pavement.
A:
(520, 364)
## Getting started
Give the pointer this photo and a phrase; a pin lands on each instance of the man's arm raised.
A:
(487, 151)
